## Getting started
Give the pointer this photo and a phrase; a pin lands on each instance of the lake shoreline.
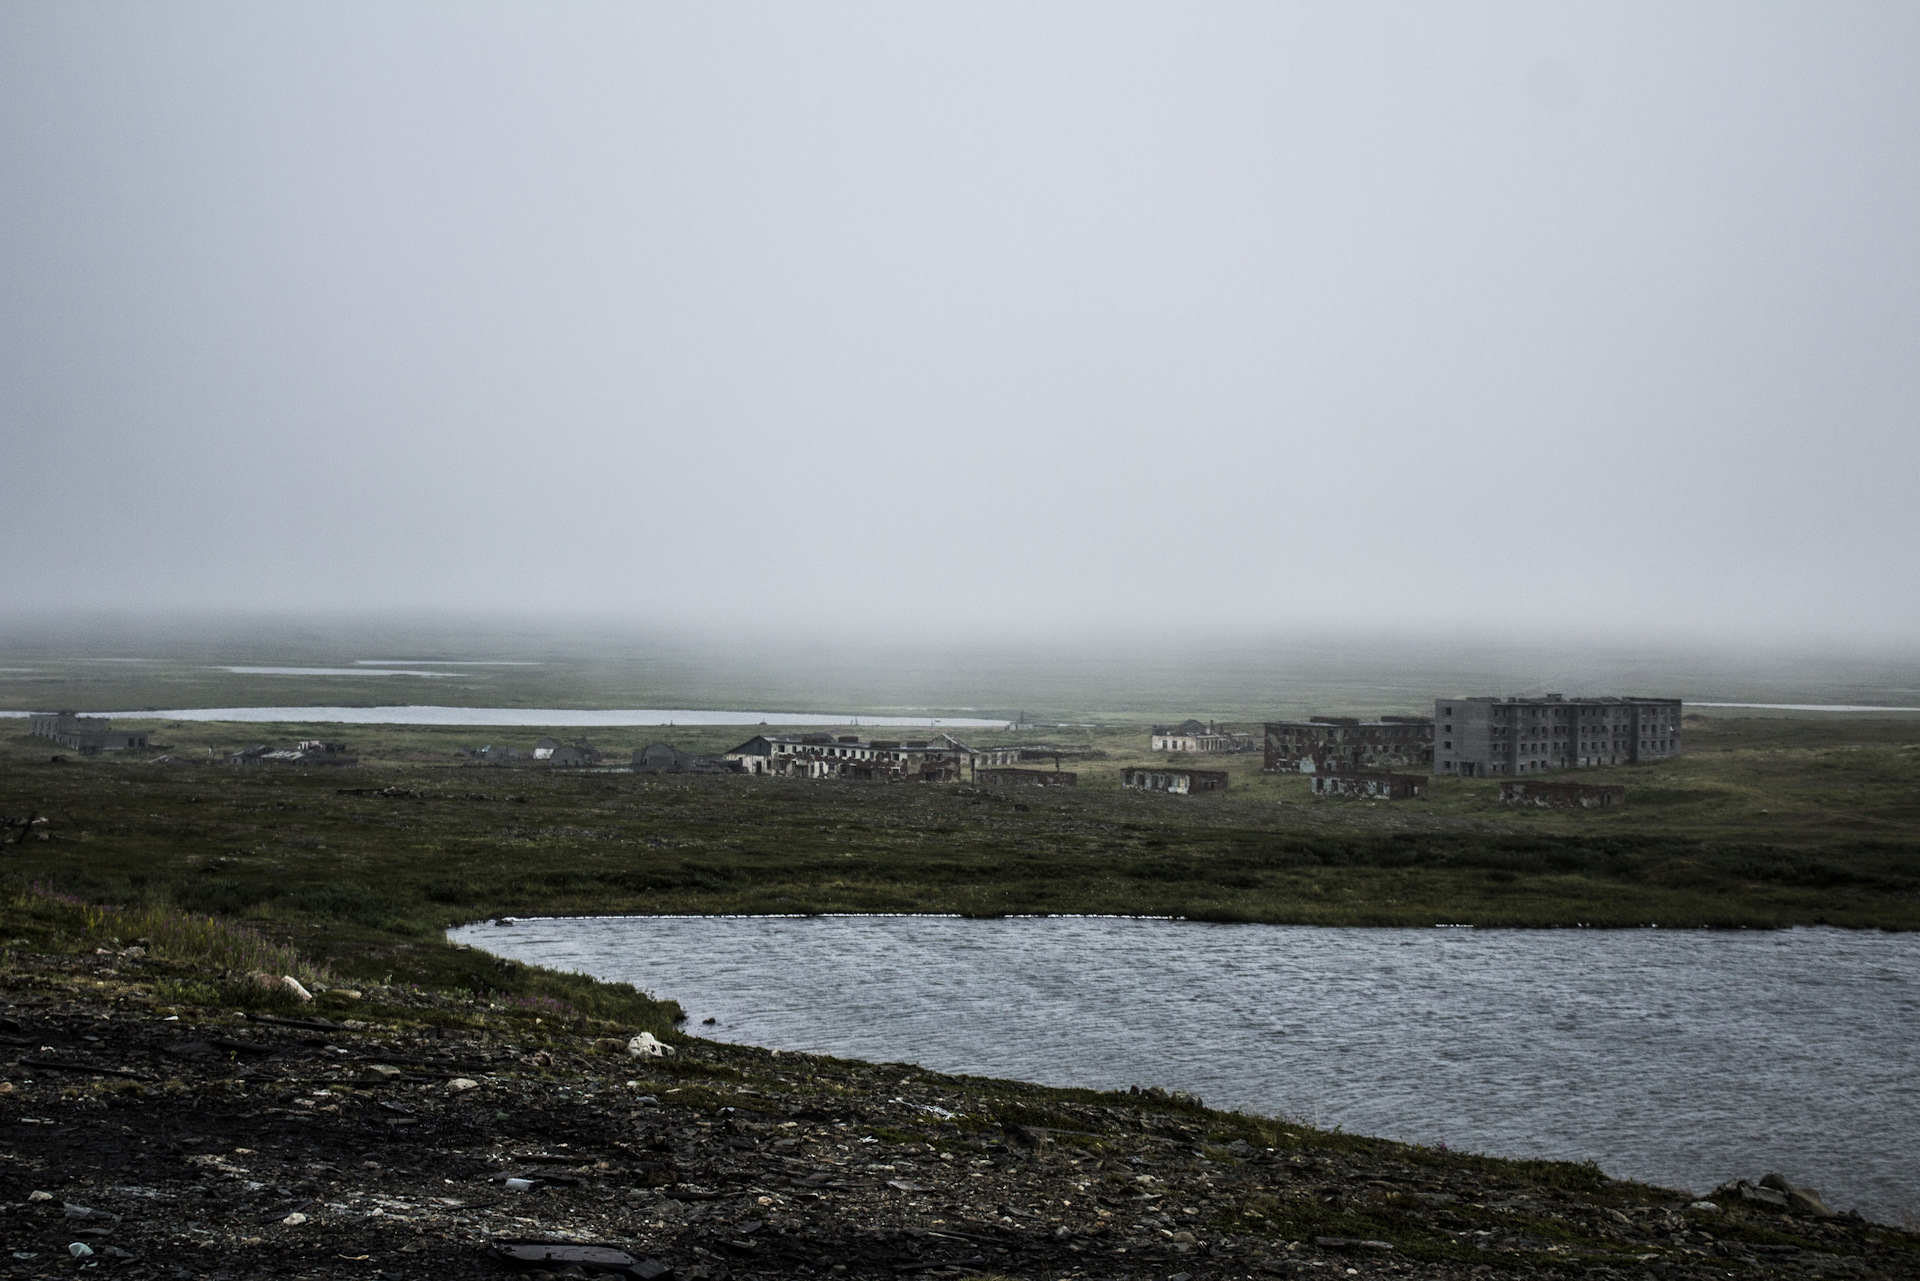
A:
(1531, 1044)
(719, 1160)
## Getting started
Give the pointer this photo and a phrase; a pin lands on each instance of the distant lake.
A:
(1811, 707)
(414, 714)
(1684, 1058)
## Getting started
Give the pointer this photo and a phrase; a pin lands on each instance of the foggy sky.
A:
(1511, 319)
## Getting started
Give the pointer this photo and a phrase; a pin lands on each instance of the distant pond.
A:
(1684, 1058)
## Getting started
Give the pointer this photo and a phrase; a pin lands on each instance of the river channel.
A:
(1684, 1058)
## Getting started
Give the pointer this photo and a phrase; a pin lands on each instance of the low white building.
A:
(1195, 736)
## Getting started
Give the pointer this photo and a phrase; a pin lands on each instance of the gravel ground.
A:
(414, 1142)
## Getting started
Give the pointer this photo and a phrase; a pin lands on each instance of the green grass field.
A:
(1763, 823)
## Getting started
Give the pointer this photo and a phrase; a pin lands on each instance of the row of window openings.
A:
(1653, 743)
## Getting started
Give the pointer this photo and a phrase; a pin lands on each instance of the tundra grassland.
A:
(1762, 823)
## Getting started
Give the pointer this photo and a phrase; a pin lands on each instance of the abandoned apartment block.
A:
(1179, 782)
(1348, 745)
(1562, 796)
(1194, 736)
(845, 756)
(1371, 786)
(84, 734)
(1481, 736)
(1002, 777)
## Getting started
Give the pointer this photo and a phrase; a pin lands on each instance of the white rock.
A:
(292, 985)
(462, 1083)
(647, 1046)
(295, 1219)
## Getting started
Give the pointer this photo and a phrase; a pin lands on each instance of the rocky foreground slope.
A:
(418, 1136)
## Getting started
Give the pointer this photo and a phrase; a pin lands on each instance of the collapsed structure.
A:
(1019, 753)
(1480, 736)
(1371, 786)
(85, 734)
(1180, 782)
(1026, 778)
(1348, 745)
(308, 751)
(847, 756)
(1562, 796)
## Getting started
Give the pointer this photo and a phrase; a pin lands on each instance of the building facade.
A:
(1180, 782)
(1348, 745)
(1372, 787)
(1197, 736)
(846, 756)
(1511, 736)
(84, 734)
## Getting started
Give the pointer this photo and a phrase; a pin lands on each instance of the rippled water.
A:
(1680, 1057)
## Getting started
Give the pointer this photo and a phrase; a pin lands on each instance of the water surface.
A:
(417, 714)
(1681, 1057)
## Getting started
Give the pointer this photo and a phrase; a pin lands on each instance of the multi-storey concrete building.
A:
(1478, 736)
(1346, 745)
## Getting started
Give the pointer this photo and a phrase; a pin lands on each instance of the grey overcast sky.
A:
(1522, 318)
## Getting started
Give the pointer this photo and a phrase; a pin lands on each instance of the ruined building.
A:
(1180, 782)
(1372, 787)
(1026, 778)
(1347, 745)
(1561, 796)
(845, 756)
(84, 734)
(1480, 736)
(1194, 736)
